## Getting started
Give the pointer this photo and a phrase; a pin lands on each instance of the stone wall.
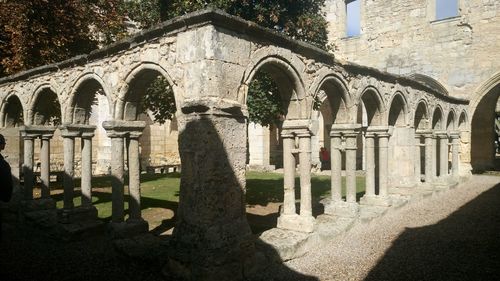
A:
(403, 37)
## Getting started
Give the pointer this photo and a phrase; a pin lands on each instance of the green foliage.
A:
(264, 102)
(159, 99)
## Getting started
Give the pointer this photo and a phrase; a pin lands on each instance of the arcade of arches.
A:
(403, 134)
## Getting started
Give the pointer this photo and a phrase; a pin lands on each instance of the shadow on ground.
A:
(464, 246)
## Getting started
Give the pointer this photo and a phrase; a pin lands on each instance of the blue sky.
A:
(446, 8)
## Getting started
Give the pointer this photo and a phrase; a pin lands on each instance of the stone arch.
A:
(421, 119)
(482, 124)
(83, 93)
(45, 107)
(430, 82)
(371, 106)
(438, 122)
(12, 111)
(333, 89)
(451, 120)
(287, 78)
(462, 121)
(126, 107)
(398, 111)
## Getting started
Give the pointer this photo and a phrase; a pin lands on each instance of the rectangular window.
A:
(353, 14)
(446, 9)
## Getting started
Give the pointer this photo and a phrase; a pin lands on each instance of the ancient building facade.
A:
(451, 44)
(409, 131)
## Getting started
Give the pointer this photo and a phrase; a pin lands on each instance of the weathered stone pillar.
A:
(370, 164)
(337, 206)
(383, 139)
(455, 148)
(134, 184)
(305, 221)
(117, 178)
(69, 168)
(434, 156)
(288, 174)
(351, 146)
(305, 174)
(417, 161)
(443, 157)
(336, 165)
(212, 238)
(29, 150)
(429, 159)
(45, 165)
(86, 183)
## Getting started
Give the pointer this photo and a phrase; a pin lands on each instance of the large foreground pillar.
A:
(212, 239)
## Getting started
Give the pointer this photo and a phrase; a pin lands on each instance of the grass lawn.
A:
(160, 197)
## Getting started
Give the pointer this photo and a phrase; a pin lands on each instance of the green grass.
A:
(162, 191)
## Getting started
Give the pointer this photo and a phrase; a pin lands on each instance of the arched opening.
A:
(421, 123)
(12, 119)
(485, 131)
(401, 144)
(149, 97)
(450, 121)
(438, 126)
(46, 112)
(263, 198)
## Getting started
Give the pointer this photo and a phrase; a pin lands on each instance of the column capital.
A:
(454, 135)
(381, 131)
(298, 127)
(32, 132)
(77, 130)
(441, 134)
(122, 128)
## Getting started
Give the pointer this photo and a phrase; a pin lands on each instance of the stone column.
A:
(29, 150)
(429, 159)
(134, 183)
(305, 174)
(383, 139)
(434, 156)
(288, 174)
(370, 164)
(45, 165)
(455, 147)
(86, 184)
(336, 165)
(117, 178)
(418, 163)
(351, 146)
(443, 163)
(69, 170)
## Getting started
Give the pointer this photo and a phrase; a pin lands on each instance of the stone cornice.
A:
(37, 131)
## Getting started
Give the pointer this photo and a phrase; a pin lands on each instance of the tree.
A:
(301, 20)
(38, 32)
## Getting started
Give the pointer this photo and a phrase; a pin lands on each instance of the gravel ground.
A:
(452, 236)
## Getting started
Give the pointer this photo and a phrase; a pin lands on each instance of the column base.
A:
(129, 228)
(376, 200)
(444, 182)
(78, 214)
(342, 209)
(296, 222)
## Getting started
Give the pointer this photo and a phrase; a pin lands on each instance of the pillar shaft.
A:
(383, 164)
(117, 181)
(28, 167)
(86, 171)
(134, 183)
(417, 160)
(434, 157)
(45, 167)
(443, 163)
(69, 172)
(305, 175)
(336, 167)
(454, 152)
(370, 164)
(428, 158)
(351, 167)
(289, 176)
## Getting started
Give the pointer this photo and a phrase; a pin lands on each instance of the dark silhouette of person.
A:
(5, 180)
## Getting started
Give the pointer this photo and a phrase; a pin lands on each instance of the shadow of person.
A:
(464, 246)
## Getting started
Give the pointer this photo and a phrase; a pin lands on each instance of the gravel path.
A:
(452, 236)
